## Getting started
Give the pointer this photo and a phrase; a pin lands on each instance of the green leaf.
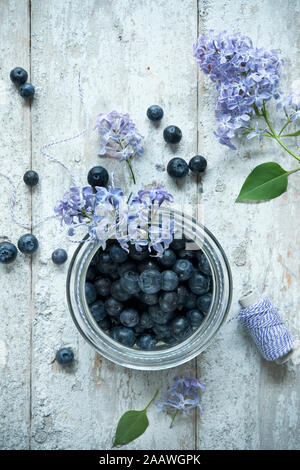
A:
(265, 182)
(294, 134)
(130, 426)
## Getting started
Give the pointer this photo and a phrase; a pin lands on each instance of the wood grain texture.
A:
(15, 279)
(131, 54)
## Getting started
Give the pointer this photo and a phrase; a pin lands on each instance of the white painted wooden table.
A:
(133, 53)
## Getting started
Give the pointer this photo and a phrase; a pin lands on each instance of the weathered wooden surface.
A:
(132, 54)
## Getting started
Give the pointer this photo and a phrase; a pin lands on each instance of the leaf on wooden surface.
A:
(130, 426)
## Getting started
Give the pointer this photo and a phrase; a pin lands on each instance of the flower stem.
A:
(173, 418)
(276, 137)
(152, 400)
(131, 170)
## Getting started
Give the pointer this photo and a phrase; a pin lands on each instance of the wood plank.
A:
(131, 54)
(250, 404)
(15, 279)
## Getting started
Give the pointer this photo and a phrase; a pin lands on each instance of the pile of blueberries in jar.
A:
(143, 300)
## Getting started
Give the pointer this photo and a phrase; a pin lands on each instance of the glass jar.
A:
(164, 356)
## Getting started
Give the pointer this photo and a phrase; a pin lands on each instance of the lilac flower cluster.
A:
(119, 136)
(105, 213)
(183, 395)
(246, 77)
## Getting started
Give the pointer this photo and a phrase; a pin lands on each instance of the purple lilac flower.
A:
(291, 105)
(256, 132)
(246, 77)
(119, 136)
(157, 194)
(182, 396)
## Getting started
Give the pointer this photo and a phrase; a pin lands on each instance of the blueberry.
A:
(59, 256)
(103, 286)
(129, 282)
(150, 281)
(148, 264)
(178, 244)
(107, 268)
(127, 266)
(172, 134)
(169, 280)
(104, 257)
(161, 331)
(168, 258)
(8, 252)
(183, 268)
(199, 284)
(180, 327)
(18, 76)
(105, 324)
(123, 335)
(90, 293)
(197, 164)
(97, 176)
(91, 273)
(129, 317)
(155, 113)
(28, 244)
(64, 356)
(168, 301)
(148, 299)
(31, 178)
(195, 317)
(158, 316)
(187, 254)
(191, 302)
(27, 91)
(117, 254)
(118, 292)
(204, 302)
(203, 263)
(113, 307)
(138, 255)
(146, 341)
(146, 321)
(177, 168)
(97, 310)
(182, 295)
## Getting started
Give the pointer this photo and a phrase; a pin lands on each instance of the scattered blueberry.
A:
(195, 317)
(155, 113)
(97, 310)
(8, 252)
(146, 341)
(18, 76)
(113, 307)
(197, 164)
(123, 335)
(59, 256)
(118, 292)
(129, 282)
(150, 281)
(184, 269)
(169, 280)
(28, 244)
(103, 286)
(199, 284)
(117, 254)
(168, 258)
(168, 301)
(172, 134)
(31, 178)
(129, 317)
(177, 168)
(27, 91)
(97, 176)
(180, 327)
(204, 302)
(64, 356)
(90, 293)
